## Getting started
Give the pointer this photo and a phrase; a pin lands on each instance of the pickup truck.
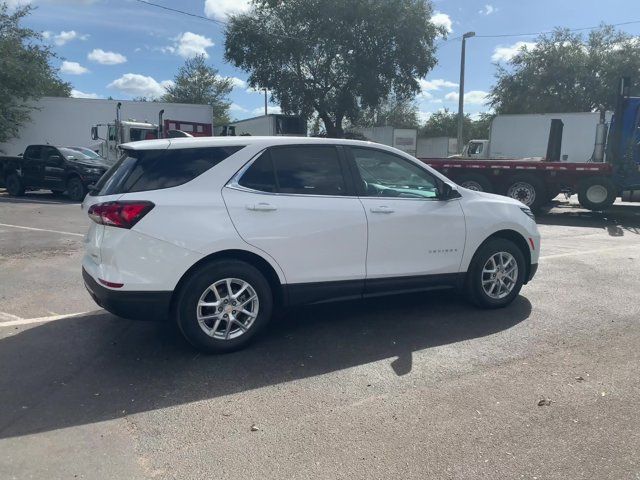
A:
(58, 169)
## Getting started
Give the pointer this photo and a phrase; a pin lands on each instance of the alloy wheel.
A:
(499, 275)
(227, 309)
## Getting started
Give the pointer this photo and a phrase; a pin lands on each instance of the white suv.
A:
(216, 233)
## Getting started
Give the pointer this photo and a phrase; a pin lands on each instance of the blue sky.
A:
(124, 49)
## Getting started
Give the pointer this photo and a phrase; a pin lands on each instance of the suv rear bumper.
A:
(134, 305)
(532, 271)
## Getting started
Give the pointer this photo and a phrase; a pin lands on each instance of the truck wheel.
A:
(596, 193)
(14, 186)
(475, 182)
(528, 190)
(75, 189)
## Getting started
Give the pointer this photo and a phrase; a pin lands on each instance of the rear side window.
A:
(141, 170)
(260, 175)
(306, 170)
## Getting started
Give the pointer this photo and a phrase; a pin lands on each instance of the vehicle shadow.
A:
(617, 220)
(98, 367)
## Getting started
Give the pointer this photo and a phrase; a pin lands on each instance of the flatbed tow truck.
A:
(613, 170)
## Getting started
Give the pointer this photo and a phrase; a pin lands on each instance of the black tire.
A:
(197, 284)
(527, 189)
(474, 281)
(76, 189)
(476, 182)
(14, 185)
(597, 193)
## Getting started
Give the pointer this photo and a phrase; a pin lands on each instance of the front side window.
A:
(475, 148)
(387, 175)
(33, 152)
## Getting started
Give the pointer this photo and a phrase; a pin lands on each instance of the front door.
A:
(295, 204)
(53, 168)
(411, 231)
(32, 167)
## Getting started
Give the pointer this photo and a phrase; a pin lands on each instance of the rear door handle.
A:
(381, 209)
(261, 207)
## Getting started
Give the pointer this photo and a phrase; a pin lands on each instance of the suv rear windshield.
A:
(140, 170)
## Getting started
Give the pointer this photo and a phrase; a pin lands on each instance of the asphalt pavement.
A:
(412, 386)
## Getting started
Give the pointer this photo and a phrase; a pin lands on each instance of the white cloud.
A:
(106, 58)
(47, 34)
(72, 68)
(138, 85)
(238, 82)
(504, 53)
(270, 109)
(253, 90)
(424, 116)
(442, 20)
(65, 37)
(488, 10)
(78, 94)
(435, 84)
(474, 97)
(221, 9)
(234, 107)
(189, 44)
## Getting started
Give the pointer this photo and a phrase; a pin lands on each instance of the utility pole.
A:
(265, 101)
(461, 92)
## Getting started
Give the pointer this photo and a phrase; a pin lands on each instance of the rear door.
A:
(296, 203)
(53, 168)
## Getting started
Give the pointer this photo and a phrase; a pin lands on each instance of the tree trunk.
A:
(333, 129)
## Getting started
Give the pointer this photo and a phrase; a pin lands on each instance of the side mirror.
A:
(94, 133)
(447, 192)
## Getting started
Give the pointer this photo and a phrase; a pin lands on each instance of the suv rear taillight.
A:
(119, 214)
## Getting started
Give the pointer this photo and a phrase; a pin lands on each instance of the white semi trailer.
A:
(68, 121)
(526, 135)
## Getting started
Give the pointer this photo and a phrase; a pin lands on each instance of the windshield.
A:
(69, 154)
(87, 152)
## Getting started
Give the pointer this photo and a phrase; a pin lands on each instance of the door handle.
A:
(381, 209)
(261, 207)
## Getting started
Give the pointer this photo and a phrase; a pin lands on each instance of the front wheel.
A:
(76, 189)
(496, 274)
(223, 305)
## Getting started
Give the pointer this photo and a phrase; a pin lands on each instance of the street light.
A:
(461, 93)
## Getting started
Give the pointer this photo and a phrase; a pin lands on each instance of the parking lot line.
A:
(28, 321)
(42, 230)
(587, 252)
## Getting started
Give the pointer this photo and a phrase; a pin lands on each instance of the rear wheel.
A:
(223, 306)
(476, 182)
(597, 193)
(76, 189)
(14, 185)
(496, 274)
(528, 190)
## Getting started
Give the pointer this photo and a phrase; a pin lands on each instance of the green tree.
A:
(566, 72)
(393, 111)
(25, 71)
(445, 124)
(197, 82)
(332, 57)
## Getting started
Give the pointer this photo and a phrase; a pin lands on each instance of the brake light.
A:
(119, 214)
